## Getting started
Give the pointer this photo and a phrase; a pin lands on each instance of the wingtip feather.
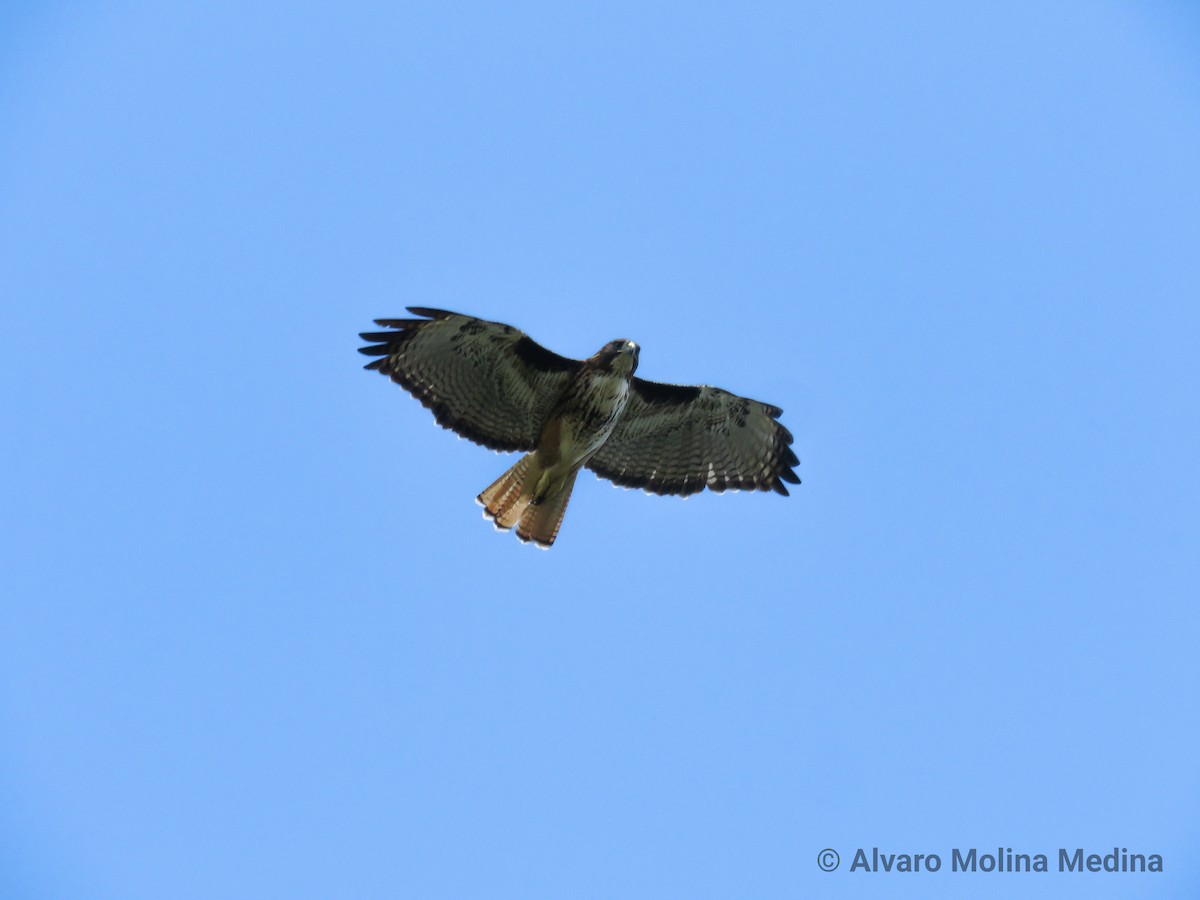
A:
(429, 312)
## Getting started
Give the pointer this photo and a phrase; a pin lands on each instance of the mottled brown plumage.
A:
(492, 384)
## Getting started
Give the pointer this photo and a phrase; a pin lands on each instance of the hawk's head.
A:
(619, 356)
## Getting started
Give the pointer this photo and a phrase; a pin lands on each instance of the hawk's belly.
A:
(583, 420)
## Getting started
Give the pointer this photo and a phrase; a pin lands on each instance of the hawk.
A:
(493, 384)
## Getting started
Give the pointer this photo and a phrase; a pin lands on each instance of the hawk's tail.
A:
(508, 502)
(504, 501)
(540, 522)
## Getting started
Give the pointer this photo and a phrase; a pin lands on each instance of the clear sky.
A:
(255, 638)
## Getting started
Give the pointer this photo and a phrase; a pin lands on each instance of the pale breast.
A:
(588, 412)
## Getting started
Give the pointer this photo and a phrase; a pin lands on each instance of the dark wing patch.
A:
(657, 392)
(536, 356)
(679, 439)
(484, 380)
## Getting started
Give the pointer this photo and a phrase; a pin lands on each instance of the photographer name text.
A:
(1005, 859)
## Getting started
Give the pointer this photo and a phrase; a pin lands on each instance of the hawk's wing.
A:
(487, 381)
(676, 439)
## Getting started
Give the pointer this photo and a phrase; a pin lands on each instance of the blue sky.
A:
(256, 640)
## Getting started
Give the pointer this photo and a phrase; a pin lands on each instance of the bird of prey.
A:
(493, 384)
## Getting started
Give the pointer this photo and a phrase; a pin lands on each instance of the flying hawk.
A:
(493, 384)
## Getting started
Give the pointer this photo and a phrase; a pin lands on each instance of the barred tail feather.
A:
(540, 522)
(508, 496)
